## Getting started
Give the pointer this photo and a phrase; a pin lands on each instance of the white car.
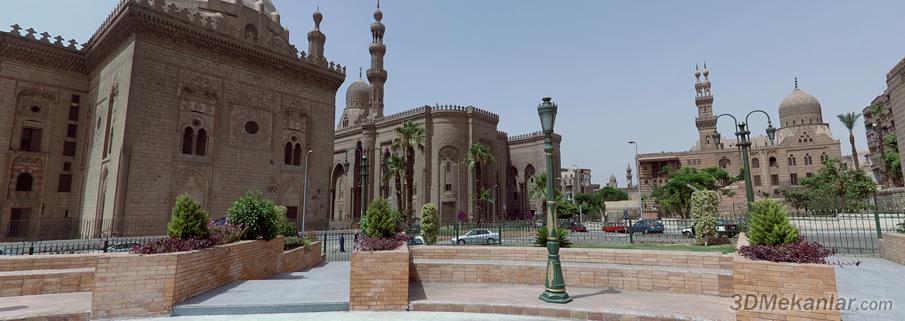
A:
(477, 236)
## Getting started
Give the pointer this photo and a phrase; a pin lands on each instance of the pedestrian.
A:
(342, 243)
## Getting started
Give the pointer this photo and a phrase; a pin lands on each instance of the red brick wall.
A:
(892, 247)
(149, 285)
(35, 282)
(298, 259)
(380, 280)
(44, 262)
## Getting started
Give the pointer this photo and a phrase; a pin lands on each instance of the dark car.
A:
(723, 228)
(648, 226)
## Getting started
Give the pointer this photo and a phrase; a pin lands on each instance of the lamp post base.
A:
(555, 297)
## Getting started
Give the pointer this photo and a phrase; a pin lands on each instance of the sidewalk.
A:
(358, 316)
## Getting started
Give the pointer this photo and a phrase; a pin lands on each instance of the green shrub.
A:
(188, 220)
(429, 226)
(294, 242)
(257, 214)
(540, 239)
(769, 224)
(382, 221)
(285, 226)
(704, 205)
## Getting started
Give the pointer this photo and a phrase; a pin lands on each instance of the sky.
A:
(619, 70)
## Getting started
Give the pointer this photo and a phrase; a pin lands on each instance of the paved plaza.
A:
(358, 316)
(872, 279)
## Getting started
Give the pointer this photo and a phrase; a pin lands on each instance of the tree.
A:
(834, 181)
(540, 238)
(486, 196)
(591, 204)
(892, 160)
(798, 197)
(610, 193)
(565, 209)
(849, 119)
(769, 224)
(188, 220)
(408, 137)
(429, 226)
(396, 168)
(674, 196)
(537, 190)
(383, 221)
(704, 207)
(257, 213)
(477, 156)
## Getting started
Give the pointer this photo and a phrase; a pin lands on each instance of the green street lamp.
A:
(555, 285)
(744, 143)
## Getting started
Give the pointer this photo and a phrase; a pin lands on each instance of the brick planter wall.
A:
(614, 256)
(782, 281)
(892, 247)
(46, 262)
(149, 285)
(298, 259)
(380, 280)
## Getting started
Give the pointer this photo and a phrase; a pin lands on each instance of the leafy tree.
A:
(591, 204)
(257, 214)
(704, 206)
(485, 197)
(537, 190)
(540, 238)
(798, 197)
(476, 158)
(429, 226)
(609, 193)
(408, 137)
(769, 224)
(396, 168)
(285, 226)
(849, 119)
(836, 181)
(674, 196)
(383, 221)
(892, 159)
(565, 209)
(188, 220)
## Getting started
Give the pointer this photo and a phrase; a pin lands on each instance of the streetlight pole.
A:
(638, 169)
(555, 285)
(305, 191)
(744, 143)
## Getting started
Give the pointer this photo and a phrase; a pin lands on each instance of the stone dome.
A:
(268, 5)
(800, 108)
(358, 94)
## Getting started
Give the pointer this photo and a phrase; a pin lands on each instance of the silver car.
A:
(477, 236)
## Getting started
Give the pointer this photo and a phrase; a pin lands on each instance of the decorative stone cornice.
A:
(27, 47)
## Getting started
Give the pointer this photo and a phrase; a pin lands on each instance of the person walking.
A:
(342, 243)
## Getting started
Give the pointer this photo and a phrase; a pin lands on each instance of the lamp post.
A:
(638, 169)
(555, 285)
(305, 191)
(744, 143)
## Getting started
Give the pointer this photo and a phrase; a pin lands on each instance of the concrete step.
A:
(50, 281)
(45, 307)
(233, 309)
(587, 303)
(671, 279)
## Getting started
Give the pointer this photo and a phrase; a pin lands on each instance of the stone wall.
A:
(34, 282)
(299, 259)
(46, 262)
(149, 285)
(892, 247)
(380, 280)
(783, 281)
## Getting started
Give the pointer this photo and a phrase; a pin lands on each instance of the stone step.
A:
(35, 282)
(233, 309)
(671, 279)
(61, 306)
(587, 303)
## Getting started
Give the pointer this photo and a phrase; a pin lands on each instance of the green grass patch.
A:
(722, 248)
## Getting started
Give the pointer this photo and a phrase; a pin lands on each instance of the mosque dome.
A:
(358, 94)
(800, 108)
(267, 5)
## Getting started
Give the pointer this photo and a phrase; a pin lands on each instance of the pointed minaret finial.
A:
(796, 82)
(359, 72)
(378, 4)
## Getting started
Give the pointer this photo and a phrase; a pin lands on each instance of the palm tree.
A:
(395, 168)
(537, 189)
(478, 155)
(486, 196)
(408, 137)
(849, 120)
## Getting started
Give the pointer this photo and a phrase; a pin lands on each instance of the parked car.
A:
(572, 226)
(121, 247)
(723, 228)
(476, 236)
(648, 226)
(613, 227)
(416, 240)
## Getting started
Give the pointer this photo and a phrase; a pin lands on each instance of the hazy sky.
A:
(619, 70)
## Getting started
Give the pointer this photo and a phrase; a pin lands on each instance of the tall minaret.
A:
(705, 121)
(317, 39)
(628, 177)
(376, 75)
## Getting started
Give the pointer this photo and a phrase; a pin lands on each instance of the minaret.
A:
(377, 76)
(628, 176)
(317, 39)
(705, 121)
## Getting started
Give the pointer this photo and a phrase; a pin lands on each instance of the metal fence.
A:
(337, 245)
(76, 246)
(73, 228)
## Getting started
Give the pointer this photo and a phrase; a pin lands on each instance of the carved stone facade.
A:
(205, 97)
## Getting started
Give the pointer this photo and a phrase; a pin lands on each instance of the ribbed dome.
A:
(358, 94)
(800, 108)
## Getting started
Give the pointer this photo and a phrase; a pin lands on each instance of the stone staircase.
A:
(45, 287)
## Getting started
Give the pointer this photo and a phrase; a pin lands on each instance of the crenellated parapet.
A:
(39, 48)
(526, 136)
(31, 34)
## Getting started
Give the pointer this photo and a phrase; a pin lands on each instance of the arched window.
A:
(755, 162)
(345, 121)
(791, 160)
(188, 136)
(772, 162)
(23, 182)
(287, 154)
(724, 163)
(201, 145)
(297, 155)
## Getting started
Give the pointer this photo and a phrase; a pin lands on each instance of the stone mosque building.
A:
(803, 141)
(441, 176)
(206, 97)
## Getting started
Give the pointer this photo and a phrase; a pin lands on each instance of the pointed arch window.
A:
(188, 137)
(287, 154)
(24, 182)
(755, 162)
(345, 121)
(201, 145)
(297, 155)
(772, 162)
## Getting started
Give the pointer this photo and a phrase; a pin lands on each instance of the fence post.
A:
(631, 232)
(877, 218)
(31, 248)
(457, 233)
(501, 234)
(106, 243)
(325, 241)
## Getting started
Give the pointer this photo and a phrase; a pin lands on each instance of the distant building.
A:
(803, 141)
(575, 181)
(895, 100)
